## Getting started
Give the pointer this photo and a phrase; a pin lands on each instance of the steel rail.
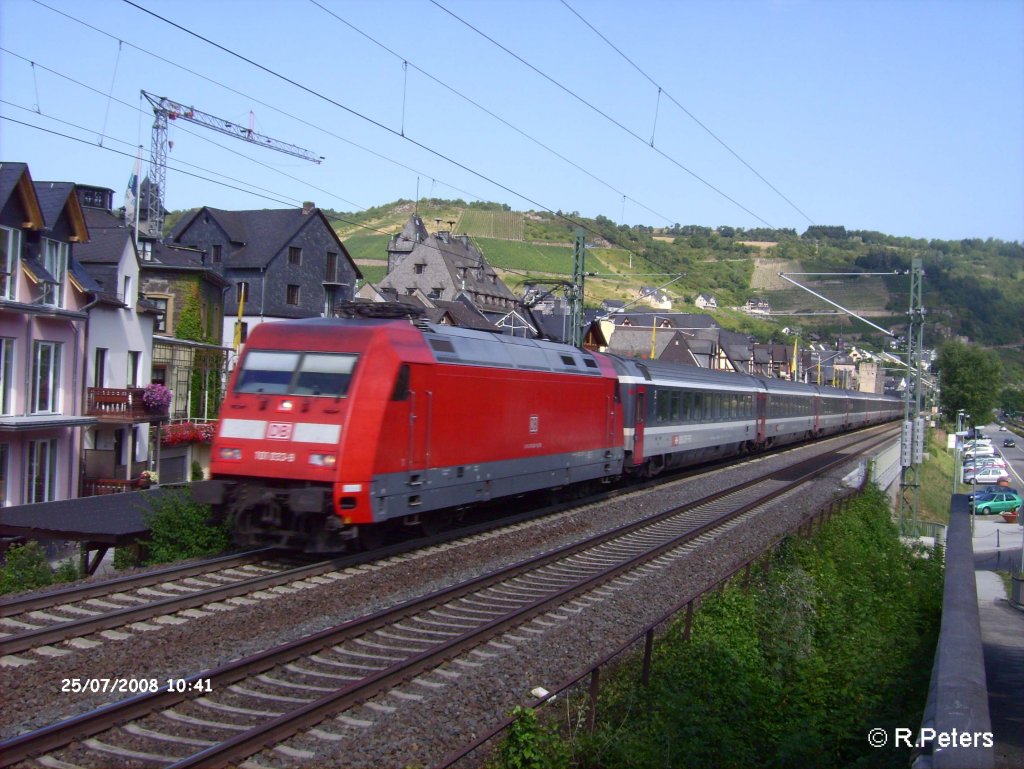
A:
(36, 601)
(62, 733)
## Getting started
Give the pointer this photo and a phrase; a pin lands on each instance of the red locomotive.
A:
(332, 425)
(334, 429)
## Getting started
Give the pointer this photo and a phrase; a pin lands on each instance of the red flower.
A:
(187, 432)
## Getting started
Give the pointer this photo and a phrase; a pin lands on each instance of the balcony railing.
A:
(119, 404)
(92, 488)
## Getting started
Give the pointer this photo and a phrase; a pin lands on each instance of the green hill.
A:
(972, 287)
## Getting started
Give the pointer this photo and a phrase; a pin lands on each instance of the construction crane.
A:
(165, 110)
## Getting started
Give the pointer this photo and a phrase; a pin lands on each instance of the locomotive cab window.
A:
(295, 373)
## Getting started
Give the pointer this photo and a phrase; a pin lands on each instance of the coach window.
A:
(663, 398)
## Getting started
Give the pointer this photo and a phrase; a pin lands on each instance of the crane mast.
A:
(165, 110)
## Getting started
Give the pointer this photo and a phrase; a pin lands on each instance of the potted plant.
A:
(156, 397)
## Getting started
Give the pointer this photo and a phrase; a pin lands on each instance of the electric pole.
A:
(576, 296)
(912, 440)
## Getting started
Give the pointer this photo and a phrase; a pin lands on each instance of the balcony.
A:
(120, 404)
(98, 486)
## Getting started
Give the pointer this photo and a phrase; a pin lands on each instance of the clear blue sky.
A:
(902, 116)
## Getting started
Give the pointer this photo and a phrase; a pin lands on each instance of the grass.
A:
(937, 479)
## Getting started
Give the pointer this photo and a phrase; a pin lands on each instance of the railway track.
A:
(38, 620)
(223, 715)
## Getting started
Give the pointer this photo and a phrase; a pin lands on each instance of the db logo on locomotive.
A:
(279, 431)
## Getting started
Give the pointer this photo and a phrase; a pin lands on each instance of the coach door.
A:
(640, 420)
(761, 407)
(409, 422)
(420, 415)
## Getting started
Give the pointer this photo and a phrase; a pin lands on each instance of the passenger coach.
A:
(337, 429)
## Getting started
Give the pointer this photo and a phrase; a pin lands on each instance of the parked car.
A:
(986, 462)
(985, 475)
(1000, 502)
(979, 451)
(996, 489)
(1009, 443)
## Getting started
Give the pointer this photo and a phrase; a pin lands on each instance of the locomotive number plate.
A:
(279, 431)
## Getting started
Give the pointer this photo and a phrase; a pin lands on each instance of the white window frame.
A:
(7, 360)
(5, 473)
(41, 470)
(55, 260)
(50, 377)
(10, 258)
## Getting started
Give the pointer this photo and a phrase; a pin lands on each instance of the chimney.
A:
(308, 207)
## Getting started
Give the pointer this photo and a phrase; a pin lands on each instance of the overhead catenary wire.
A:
(689, 114)
(600, 112)
(356, 224)
(376, 123)
(406, 64)
(251, 190)
(254, 100)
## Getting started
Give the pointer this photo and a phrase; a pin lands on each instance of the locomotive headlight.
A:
(323, 460)
(226, 453)
(285, 406)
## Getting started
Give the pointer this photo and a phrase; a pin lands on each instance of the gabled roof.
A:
(108, 238)
(412, 233)
(259, 235)
(16, 180)
(465, 314)
(678, 351)
(685, 320)
(56, 198)
(467, 267)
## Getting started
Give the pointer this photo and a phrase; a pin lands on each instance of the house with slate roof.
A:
(175, 278)
(118, 356)
(279, 263)
(42, 338)
(445, 267)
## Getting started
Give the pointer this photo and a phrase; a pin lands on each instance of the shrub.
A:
(839, 638)
(179, 530)
(529, 745)
(126, 557)
(26, 568)
(67, 571)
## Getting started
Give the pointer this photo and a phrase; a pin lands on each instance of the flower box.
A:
(187, 432)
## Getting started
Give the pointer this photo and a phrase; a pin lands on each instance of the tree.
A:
(970, 378)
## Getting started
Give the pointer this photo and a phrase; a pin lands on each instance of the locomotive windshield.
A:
(295, 373)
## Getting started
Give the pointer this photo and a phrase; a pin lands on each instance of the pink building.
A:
(43, 314)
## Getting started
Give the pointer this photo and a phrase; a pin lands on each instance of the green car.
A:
(995, 502)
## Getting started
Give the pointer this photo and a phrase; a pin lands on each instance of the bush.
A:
(179, 530)
(837, 639)
(26, 568)
(529, 745)
(67, 571)
(126, 557)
